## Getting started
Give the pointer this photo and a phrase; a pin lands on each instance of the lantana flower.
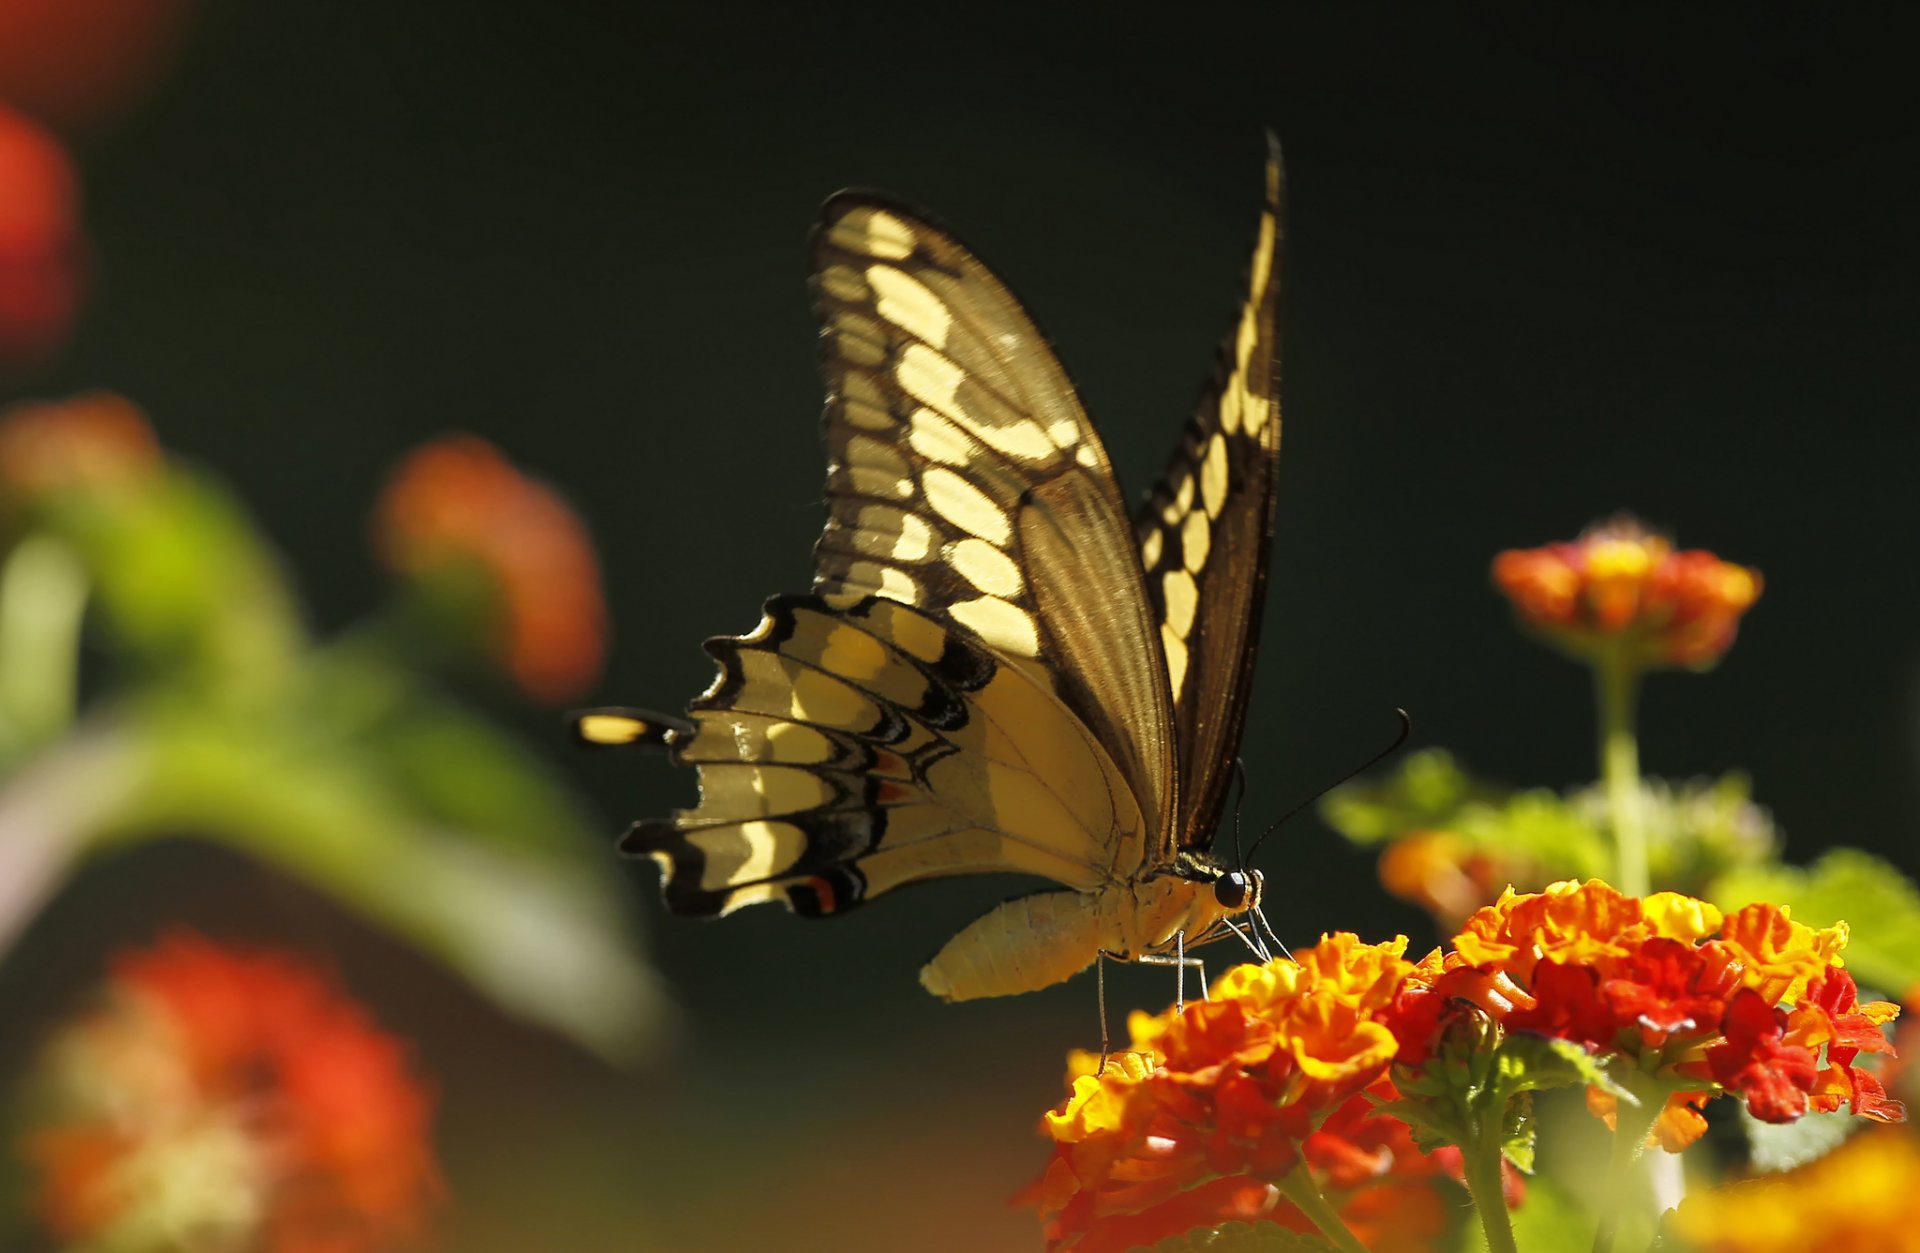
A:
(1751, 1003)
(223, 1098)
(98, 442)
(456, 507)
(1208, 1115)
(1623, 587)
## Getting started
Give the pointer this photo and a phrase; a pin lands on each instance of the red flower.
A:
(41, 251)
(1620, 586)
(236, 1095)
(458, 504)
(76, 63)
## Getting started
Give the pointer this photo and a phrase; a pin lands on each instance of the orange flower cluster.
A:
(42, 254)
(238, 1097)
(458, 501)
(1620, 585)
(1219, 1102)
(94, 442)
(1742, 1003)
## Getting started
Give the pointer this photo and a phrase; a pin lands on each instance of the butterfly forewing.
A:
(1205, 532)
(965, 479)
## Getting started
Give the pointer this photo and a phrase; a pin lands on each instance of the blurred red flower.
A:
(1621, 585)
(78, 63)
(42, 255)
(457, 504)
(234, 1098)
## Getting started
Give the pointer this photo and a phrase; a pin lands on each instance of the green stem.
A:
(1617, 684)
(1300, 1188)
(1631, 1125)
(1480, 1169)
(43, 598)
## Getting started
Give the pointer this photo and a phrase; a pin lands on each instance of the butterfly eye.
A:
(1233, 890)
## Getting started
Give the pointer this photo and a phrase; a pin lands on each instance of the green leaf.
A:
(1782, 1146)
(1548, 1221)
(1880, 906)
(1242, 1238)
(535, 924)
(1533, 1063)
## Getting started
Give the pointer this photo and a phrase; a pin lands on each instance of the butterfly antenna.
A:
(1406, 730)
(1239, 795)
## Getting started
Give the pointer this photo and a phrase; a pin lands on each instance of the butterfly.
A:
(996, 669)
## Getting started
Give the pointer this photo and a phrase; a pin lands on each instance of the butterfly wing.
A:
(1205, 532)
(976, 683)
(844, 750)
(965, 478)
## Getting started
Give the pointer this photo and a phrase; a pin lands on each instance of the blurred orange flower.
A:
(1863, 1195)
(458, 503)
(42, 255)
(1621, 585)
(91, 442)
(235, 1099)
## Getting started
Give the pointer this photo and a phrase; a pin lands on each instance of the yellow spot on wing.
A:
(747, 851)
(854, 654)
(873, 232)
(937, 439)
(966, 506)
(1182, 598)
(884, 531)
(929, 377)
(1213, 475)
(908, 304)
(864, 414)
(1176, 651)
(843, 282)
(1150, 549)
(612, 729)
(1005, 626)
(986, 567)
(913, 634)
(1196, 538)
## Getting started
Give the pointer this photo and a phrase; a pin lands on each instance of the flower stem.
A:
(1616, 689)
(1480, 1163)
(1631, 1125)
(1300, 1188)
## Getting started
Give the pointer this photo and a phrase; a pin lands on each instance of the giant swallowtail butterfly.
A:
(995, 670)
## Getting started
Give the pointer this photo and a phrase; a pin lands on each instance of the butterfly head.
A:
(1239, 890)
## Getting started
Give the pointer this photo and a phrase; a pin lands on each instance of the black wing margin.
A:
(1205, 534)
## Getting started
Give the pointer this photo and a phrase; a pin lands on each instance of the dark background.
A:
(1541, 264)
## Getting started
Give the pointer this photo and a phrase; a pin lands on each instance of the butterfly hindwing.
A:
(1205, 532)
(846, 750)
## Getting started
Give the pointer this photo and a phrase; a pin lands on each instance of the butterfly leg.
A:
(1100, 994)
(1180, 962)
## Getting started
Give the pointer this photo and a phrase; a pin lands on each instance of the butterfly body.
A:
(996, 669)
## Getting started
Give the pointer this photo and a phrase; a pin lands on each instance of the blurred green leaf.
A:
(535, 923)
(1428, 790)
(1880, 906)
(1782, 1146)
(181, 577)
(1548, 1221)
